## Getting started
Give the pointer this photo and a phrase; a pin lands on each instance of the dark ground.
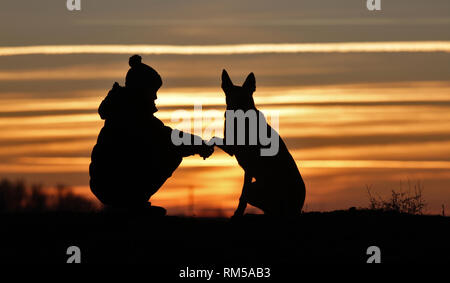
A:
(334, 237)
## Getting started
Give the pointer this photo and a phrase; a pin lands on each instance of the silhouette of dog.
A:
(271, 183)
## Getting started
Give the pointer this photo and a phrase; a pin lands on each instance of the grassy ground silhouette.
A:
(43, 235)
(332, 237)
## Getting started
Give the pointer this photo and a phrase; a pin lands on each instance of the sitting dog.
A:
(272, 182)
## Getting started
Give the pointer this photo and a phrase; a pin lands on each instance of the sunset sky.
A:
(363, 97)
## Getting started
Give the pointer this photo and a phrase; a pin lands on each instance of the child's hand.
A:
(215, 141)
(206, 151)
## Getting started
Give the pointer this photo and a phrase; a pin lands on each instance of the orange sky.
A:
(363, 97)
(343, 138)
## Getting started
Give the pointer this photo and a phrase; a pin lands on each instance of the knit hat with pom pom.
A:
(141, 76)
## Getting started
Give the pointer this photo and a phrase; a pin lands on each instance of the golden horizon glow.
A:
(373, 92)
(80, 164)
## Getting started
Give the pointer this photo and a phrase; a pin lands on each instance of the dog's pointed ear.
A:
(226, 81)
(250, 83)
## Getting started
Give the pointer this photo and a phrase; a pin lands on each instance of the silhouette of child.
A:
(134, 154)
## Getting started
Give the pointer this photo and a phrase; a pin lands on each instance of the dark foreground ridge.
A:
(333, 237)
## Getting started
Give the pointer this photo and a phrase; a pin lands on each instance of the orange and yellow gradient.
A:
(363, 96)
(343, 137)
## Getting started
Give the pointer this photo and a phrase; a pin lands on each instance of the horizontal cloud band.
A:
(340, 47)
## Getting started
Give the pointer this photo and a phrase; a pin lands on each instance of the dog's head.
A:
(239, 97)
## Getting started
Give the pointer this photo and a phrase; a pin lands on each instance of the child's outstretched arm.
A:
(220, 143)
(188, 144)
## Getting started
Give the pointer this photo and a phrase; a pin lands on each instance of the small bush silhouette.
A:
(12, 195)
(17, 197)
(410, 201)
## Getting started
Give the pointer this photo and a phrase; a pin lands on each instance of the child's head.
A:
(142, 77)
(143, 80)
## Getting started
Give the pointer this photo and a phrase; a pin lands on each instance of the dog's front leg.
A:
(243, 199)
